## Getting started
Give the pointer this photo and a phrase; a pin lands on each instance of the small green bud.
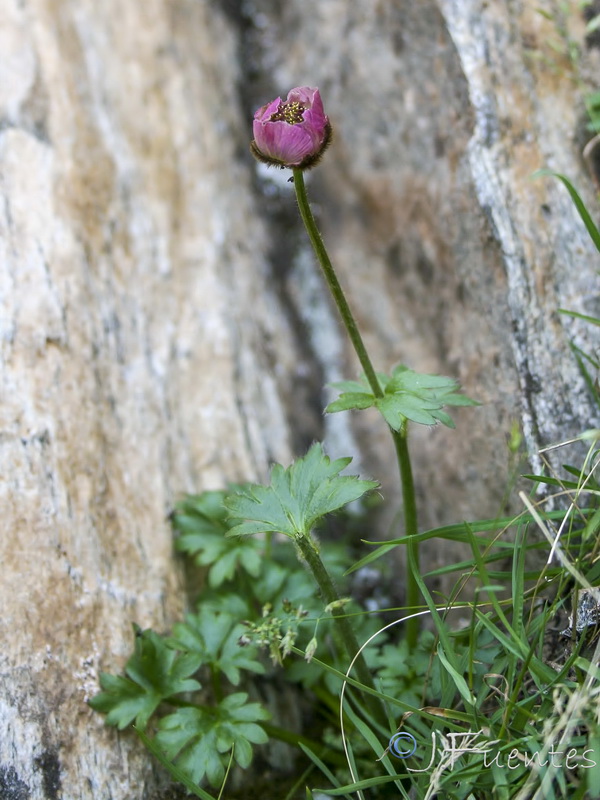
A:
(311, 649)
(343, 601)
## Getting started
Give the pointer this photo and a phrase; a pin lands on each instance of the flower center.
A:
(292, 113)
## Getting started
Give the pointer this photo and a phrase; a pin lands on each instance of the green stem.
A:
(413, 595)
(310, 554)
(399, 437)
(333, 283)
(294, 739)
(215, 679)
(268, 545)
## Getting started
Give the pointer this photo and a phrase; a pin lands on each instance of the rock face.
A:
(128, 243)
(454, 258)
(163, 325)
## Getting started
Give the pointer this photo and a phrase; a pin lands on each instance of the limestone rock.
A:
(455, 259)
(163, 326)
(132, 367)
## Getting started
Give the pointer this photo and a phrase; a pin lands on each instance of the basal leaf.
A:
(203, 522)
(155, 672)
(175, 772)
(199, 739)
(123, 700)
(214, 637)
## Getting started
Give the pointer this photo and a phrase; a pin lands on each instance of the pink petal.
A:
(266, 112)
(302, 94)
(288, 144)
(291, 144)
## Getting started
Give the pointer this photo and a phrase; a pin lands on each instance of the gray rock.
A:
(160, 314)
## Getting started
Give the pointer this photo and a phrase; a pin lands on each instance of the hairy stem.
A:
(310, 554)
(333, 283)
(413, 594)
(399, 437)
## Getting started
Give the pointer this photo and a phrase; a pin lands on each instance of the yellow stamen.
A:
(292, 113)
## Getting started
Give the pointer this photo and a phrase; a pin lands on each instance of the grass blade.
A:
(175, 772)
(579, 204)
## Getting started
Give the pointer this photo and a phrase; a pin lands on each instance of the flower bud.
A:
(294, 133)
(337, 604)
(288, 641)
(311, 649)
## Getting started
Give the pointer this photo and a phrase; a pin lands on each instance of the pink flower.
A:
(294, 133)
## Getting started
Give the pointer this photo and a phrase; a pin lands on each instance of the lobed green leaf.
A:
(214, 637)
(297, 497)
(349, 401)
(407, 395)
(155, 672)
(203, 522)
(198, 739)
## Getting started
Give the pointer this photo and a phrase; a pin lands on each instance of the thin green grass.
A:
(497, 680)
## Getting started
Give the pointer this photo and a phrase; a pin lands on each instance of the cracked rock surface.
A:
(163, 328)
